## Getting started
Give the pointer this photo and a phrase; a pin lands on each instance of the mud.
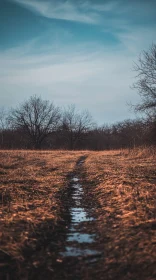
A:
(78, 240)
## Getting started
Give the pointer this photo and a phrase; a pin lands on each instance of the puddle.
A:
(79, 215)
(79, 239)
(75, 179)
(75, 252)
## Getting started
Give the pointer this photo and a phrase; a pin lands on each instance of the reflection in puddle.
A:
(75, 179)
(73, 252)
(75, 234)
(79, 215)
(81, 237)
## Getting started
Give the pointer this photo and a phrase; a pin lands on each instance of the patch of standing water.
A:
(72, 252)
(75, 179)
(79, 215)
(81, 237)
(74, 236)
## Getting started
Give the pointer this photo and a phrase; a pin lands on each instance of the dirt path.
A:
(79, 256)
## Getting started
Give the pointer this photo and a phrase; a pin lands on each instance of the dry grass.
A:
(30, 186)
(124, 184)
(119, 184)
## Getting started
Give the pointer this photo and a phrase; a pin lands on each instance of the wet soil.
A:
(78, 255)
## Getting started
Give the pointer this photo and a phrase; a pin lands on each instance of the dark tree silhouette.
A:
(36, 118)
(3, 124)
(75, 124)
(146, 81)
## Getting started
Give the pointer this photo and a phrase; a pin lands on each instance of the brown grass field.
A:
(119, 187)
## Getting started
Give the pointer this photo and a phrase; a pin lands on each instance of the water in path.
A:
(78, 241)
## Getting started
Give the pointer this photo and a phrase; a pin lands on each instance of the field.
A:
(35, 201)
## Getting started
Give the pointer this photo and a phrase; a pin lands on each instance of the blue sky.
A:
(74, 52)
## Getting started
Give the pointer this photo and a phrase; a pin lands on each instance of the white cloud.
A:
(137, 39)
(107, 7)
(61, 10)
(98, 81)
(79, 11)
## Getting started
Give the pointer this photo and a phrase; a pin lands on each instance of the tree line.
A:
(38, 123)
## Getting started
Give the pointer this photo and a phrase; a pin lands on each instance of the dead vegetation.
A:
(119, 185)
(123, 183)
(31, 185)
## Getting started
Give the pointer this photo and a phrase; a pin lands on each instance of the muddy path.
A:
(79, 254)
(78, 257)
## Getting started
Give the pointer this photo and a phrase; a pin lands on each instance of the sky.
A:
(78, 52)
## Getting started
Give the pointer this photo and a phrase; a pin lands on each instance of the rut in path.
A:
(80, 245)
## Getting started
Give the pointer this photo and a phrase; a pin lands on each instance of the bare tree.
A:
(146, 81)
(75, 124)
(3, 124)
(36, 118)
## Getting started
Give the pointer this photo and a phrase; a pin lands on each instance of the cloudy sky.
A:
(74, 52)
